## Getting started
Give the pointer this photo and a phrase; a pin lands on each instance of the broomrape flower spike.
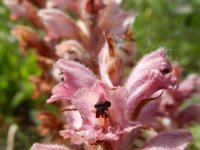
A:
(101, 107)
(106, 110)
(77, 38)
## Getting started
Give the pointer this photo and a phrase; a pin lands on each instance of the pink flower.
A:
(167, 106)
(107, 108)
(94, 17)
(59, 25)
(151, 74)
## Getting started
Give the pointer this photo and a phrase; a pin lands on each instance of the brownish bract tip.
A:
(110, 43)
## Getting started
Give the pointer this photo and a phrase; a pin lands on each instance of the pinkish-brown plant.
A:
(77, 38)
(107, 112)
(91, 43)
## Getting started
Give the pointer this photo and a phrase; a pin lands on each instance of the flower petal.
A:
(75, 77)
(189, 115)
(60, 92)
(118, 98)
(59, 25)
(70, 134)
(176, 140)
(74, 119)
(150, 75)
(76, 74)
(187, 87)
(148, 115)
(93, 135)
(85, 101)
(113, 12)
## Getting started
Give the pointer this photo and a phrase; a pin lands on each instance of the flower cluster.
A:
(78, 36)
(91, 46)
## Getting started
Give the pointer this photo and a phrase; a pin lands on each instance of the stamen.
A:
(102, 109)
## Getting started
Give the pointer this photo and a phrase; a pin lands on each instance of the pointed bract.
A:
(110, 64)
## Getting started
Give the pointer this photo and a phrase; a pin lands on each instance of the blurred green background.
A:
(159, 23)
(16, 105)
(174, 24)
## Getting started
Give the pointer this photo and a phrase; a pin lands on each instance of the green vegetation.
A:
(15, 87)
(16, 104)
(171, 24)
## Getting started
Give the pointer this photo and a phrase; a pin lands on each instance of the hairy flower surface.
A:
(164, 113)
(107, 110)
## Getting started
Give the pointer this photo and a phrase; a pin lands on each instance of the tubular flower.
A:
(108, 111)
(164, 113)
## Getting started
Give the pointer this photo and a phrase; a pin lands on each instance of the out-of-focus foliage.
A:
(16, 105)
(195, 130)
(15, 87)
(172, 24)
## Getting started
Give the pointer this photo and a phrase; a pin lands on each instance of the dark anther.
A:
(102, 109)
(104, 105)
(165, 70)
